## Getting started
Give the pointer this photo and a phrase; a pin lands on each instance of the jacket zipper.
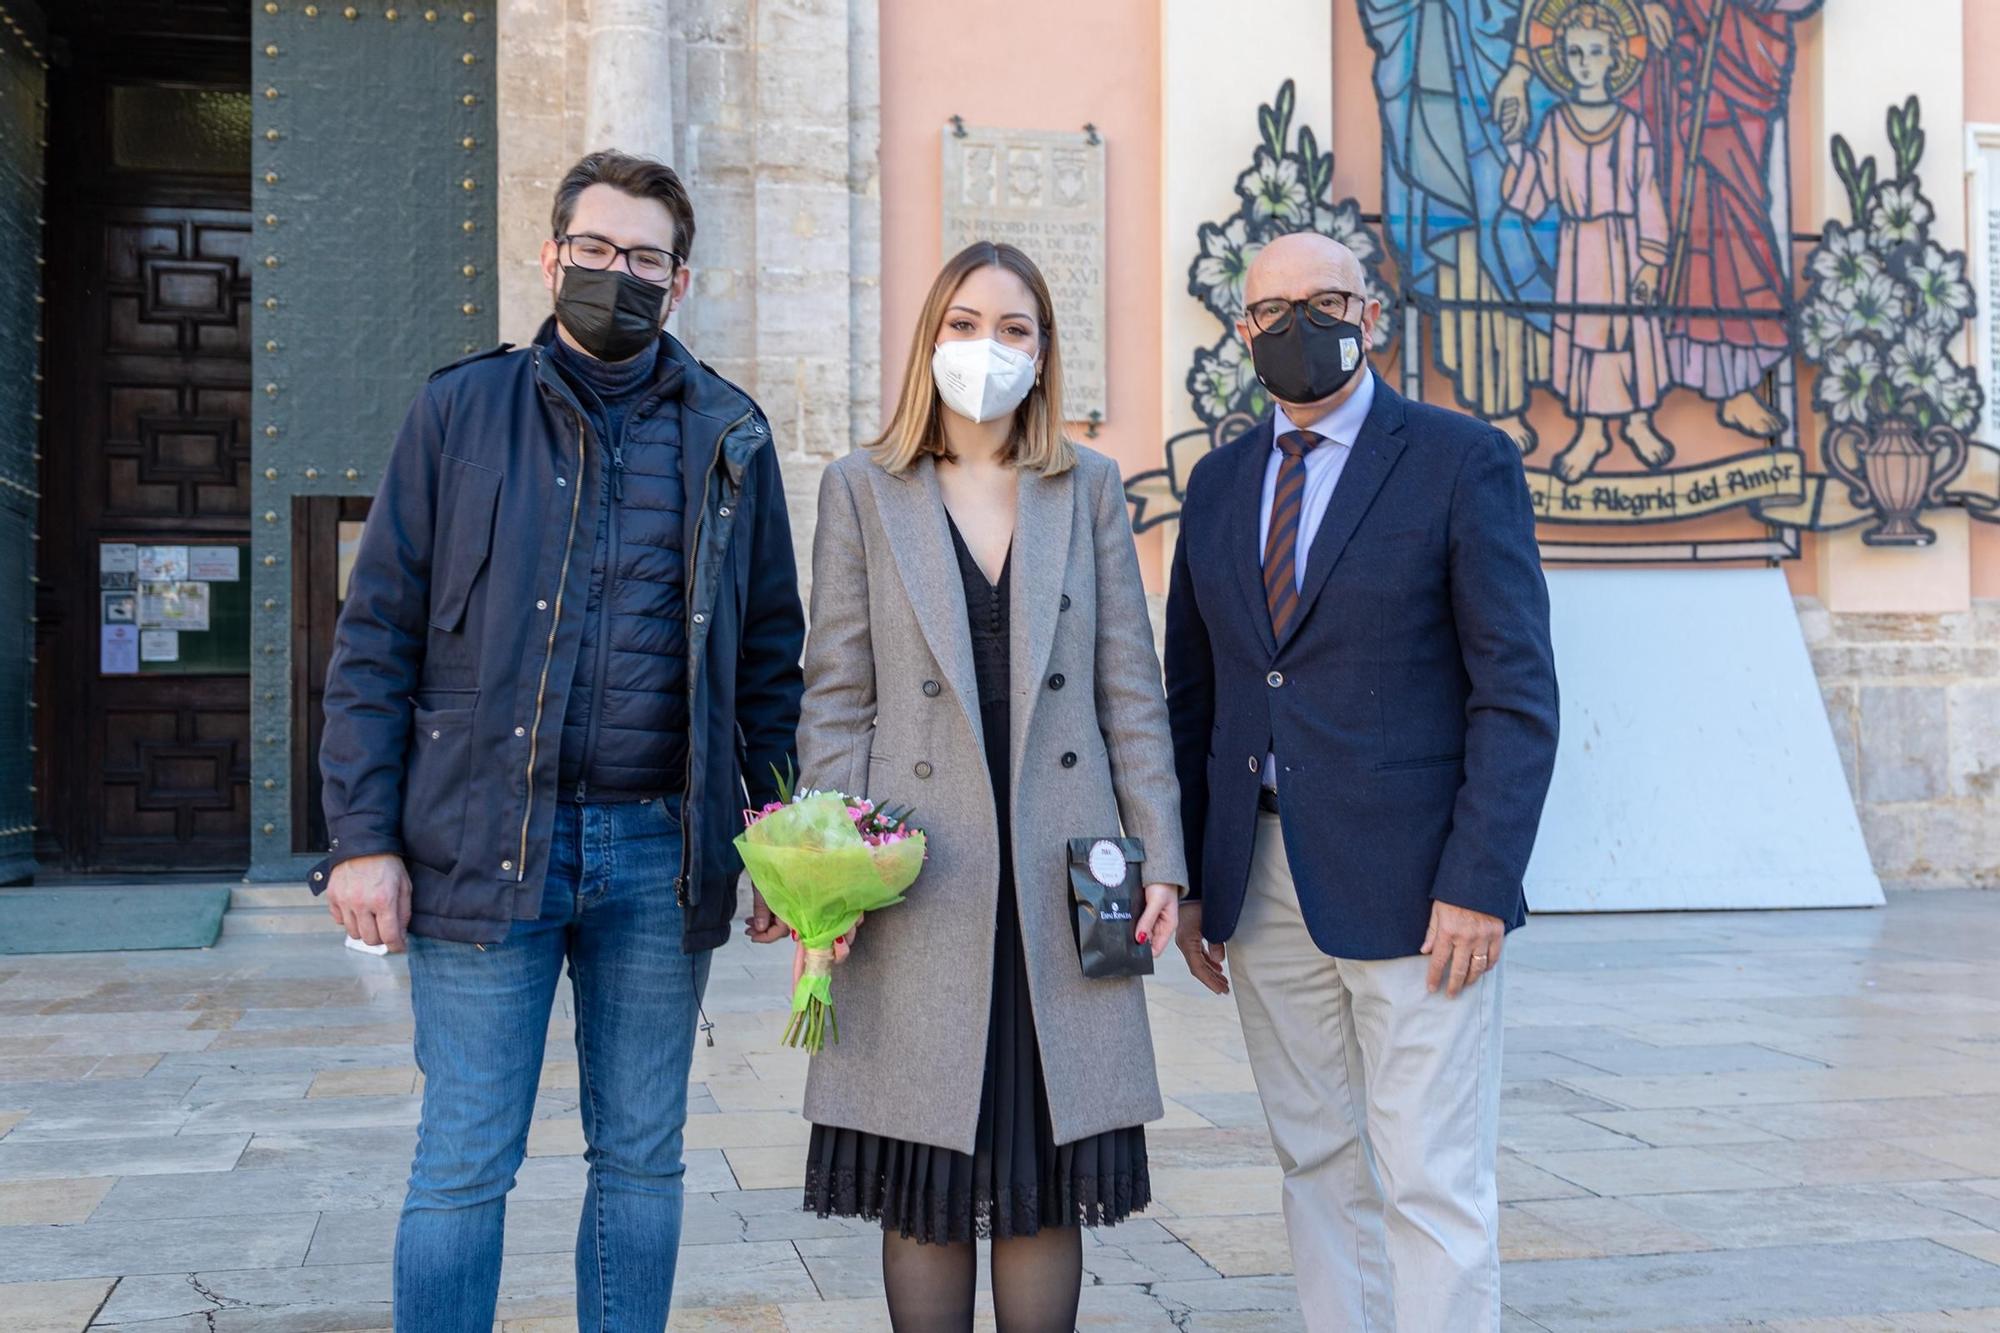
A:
(694, 665)
(597, 668)
(549, 652)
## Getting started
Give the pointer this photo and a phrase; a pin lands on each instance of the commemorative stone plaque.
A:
(1044, 192)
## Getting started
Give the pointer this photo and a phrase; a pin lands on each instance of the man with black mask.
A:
(1363, 700)
(570, 642)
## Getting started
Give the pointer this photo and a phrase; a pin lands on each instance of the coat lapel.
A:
(912, 510)
(1245, 521)
(1040, 558)
(1375, 452)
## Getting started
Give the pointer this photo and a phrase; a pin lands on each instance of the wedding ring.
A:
(1479, 958)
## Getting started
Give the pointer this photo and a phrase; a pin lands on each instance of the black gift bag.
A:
(1106, 884)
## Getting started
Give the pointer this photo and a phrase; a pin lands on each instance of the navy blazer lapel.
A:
(1368, 464)
(1245, 521)
(913, 514)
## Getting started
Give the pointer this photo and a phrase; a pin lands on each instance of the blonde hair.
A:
(1592, 17)
(917, 428)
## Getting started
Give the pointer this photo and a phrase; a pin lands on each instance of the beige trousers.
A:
(1384, 1106)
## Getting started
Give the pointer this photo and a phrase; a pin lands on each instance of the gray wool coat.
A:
(892, 712)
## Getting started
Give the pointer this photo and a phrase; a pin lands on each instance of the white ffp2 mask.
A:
(980, 379)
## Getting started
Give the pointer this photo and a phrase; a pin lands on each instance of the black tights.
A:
(1037, 1281)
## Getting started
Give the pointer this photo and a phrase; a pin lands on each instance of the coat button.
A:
(700, 619)
(317, 876)
(506, 865)
(931, 688)
(724, 511)
(562, 481)
(541, 605)
(1065, 602)
(520, 731)
(1256, 764)
(1069, 759)
(1056, 681)
(1275, 679)
(436, 734)
(923, 769)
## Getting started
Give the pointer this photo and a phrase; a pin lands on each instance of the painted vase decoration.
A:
(1897, 473)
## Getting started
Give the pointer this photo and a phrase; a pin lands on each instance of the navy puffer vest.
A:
(625, 731)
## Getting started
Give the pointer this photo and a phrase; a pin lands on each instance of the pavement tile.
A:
(1735, 1286)
(768, 1168)
(119, 1157)
(1695, 1128)
(50, 1202)
(1838, 1162)
(1236, 1246)
(94, 1249)
(1219, 1191)
(748, 1129)
(52, 1307)
(1640, 1170)
(1832, 1214)
(364, 1082)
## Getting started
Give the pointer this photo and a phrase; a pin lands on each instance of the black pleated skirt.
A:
(1017, 1179)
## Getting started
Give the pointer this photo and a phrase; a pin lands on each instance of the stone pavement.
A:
(1773, 1120)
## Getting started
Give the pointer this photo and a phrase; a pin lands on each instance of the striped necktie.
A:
(1281, 546)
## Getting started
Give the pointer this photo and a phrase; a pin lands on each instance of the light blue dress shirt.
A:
(1338, 430)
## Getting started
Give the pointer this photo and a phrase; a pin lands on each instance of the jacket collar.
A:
(703, 392)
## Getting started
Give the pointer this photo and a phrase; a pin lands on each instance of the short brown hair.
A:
(640, 177)
(1037, 442)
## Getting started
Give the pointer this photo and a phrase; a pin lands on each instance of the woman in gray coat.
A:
(980, 650)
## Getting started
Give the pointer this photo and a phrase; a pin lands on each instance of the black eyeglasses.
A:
(649, 263)
(1322, 308)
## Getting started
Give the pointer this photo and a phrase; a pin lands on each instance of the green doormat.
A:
(90, 920)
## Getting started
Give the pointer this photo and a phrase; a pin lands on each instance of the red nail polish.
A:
(1142, 937)
(840, 939)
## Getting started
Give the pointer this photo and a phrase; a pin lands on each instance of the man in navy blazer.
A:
(1363, 698)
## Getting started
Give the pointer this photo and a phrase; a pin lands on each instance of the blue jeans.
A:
(482, 1017)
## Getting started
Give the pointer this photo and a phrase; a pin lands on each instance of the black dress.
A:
(1017, 1179)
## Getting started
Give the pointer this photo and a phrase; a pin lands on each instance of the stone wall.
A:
(1915, 706)
(775, 126)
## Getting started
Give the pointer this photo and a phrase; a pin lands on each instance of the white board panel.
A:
(1697, 769)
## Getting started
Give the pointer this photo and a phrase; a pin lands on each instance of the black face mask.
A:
(1308, 361)
(612, 315)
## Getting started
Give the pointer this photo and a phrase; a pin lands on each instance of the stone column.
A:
(628, 49)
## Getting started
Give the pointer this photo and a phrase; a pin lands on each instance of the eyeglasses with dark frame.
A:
(649, 263)
(1322, 308)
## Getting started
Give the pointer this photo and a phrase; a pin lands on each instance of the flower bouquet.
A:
(821, 859)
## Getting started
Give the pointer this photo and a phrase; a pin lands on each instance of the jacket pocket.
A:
(468, 496)
(434, 787)
(1436, 761)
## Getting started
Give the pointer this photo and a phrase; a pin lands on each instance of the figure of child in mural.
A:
(1594, 162)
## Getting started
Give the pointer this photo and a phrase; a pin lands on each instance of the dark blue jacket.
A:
(1412, 705)
(455, 649)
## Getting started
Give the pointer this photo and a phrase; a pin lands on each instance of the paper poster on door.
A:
(158, 645)
(162, 563)
(118, 650)
(117, 565)
(176, 606)
(214, 564)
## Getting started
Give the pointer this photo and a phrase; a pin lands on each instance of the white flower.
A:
(1843, 260)
(1274, 190)
(1875, 305)
(1958, 400)
(1899, 215)
(1822, 327)
(1851, 373)
(1943, 296)
(1226, 255)
(1222, 380)
(1342, 222)
(1918, 363)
